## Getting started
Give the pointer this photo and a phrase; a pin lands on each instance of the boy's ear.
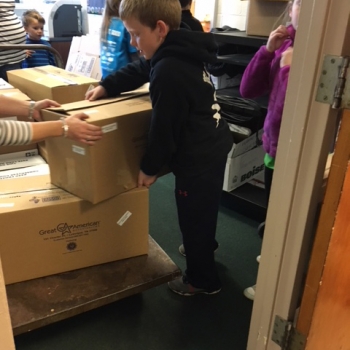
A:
(163, 29)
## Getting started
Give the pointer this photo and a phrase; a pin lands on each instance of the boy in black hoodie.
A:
(186, 132)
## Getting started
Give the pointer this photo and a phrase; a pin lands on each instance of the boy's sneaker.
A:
(183, 287)
(250, 292)
(183, 252)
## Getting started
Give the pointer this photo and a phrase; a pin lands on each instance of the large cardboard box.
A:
(51, 82)
(52, 231)
(112, 165)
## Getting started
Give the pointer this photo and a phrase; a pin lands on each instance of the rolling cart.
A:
(42, 301)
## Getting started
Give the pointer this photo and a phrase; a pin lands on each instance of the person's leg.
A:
(198, 201)
(268, 175)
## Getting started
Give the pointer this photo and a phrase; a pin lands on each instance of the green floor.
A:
(159, 319)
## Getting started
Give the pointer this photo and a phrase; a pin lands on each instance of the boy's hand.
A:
(96, 93)
(277, 38)
(146, 180)
(286, 57)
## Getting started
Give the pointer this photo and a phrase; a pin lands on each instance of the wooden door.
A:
(306, 135)
(325, 309)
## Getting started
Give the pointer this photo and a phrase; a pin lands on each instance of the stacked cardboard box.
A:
(46, 230)
(112, 165)
(52, 83)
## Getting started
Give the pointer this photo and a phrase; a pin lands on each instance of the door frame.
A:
(305, 138)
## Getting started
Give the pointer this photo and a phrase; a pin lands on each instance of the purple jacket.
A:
(264, 75)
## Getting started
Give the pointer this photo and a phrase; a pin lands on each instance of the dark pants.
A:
(198, 200)
(5, 68)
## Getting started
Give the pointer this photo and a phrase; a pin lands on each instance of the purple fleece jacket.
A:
(264, 75)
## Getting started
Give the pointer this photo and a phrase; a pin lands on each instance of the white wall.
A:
(232, 13)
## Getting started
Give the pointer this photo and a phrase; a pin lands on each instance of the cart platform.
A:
(42, 301)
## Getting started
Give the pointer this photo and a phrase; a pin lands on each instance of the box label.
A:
(123, 219)
(79, 150)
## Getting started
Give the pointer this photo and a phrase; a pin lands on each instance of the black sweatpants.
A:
(198, 200)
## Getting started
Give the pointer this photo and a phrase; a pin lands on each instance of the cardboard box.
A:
(263, 15)
(243, 168)
(112, 165)
(51, 82)
(48, 232)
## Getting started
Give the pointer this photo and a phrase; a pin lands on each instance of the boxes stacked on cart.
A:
(245, 161)
(48, 230)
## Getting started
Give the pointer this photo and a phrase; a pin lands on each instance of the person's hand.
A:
(286, 57)
(80, 130)
(29, 53)
(96, 93)
(277, 38)
(39, 105)
(146, 180)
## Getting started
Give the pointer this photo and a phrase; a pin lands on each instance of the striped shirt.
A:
(40, 57)
(15, 133)
(11, 32)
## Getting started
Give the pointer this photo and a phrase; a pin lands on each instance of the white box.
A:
(245, 145)
(244, 168)
(225, 81)
(84, 57)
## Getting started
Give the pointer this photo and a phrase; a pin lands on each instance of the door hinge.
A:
(333, 87)
(286, 336)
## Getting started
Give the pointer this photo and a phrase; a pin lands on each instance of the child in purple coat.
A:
(268, 72)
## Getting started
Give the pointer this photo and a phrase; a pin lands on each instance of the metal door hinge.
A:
(286, 336)
(333, 87)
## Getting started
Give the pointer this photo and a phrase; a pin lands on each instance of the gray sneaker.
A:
(181, 286)
(183, 252)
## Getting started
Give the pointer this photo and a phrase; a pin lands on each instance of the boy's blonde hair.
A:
(111, 10)
(148, 12)
(29, 15)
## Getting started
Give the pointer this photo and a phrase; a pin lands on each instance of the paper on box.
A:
(32, 178)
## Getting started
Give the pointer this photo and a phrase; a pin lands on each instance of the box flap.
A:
(74, 106)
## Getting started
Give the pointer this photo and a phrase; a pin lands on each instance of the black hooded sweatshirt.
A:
(187, 132)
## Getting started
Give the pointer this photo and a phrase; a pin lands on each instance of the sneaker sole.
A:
(184, 294)
(248, 295)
